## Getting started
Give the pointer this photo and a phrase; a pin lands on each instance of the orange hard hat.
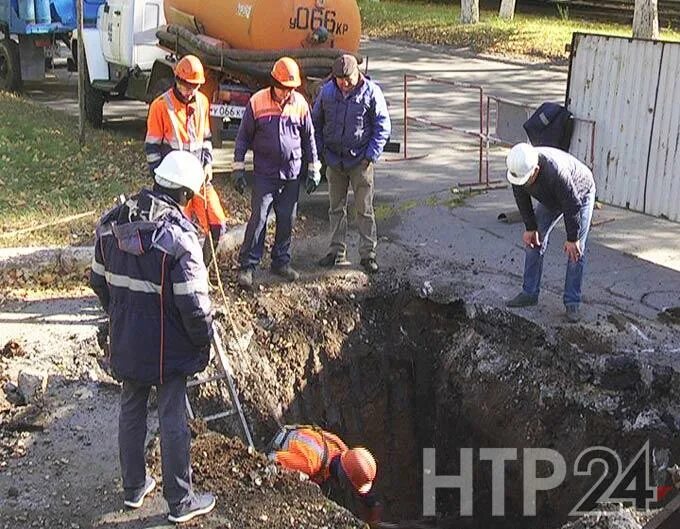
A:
(286, 72)
(190, 69)
(360, 467)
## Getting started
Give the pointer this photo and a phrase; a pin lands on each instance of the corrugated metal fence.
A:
(631, 89)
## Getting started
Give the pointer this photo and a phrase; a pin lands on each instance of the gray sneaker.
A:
(199, 504)
(245, 278)
(522, 300)
(286, 272)
(135, 498)
(573, 313)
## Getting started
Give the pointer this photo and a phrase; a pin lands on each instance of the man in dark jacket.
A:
(562, 187)
(352, 126)
(149, 276)
(277, 126)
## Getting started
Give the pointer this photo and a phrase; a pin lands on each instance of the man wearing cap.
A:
(562, 187)
(352, 126)
(150, 278)
(323, 456)
(277, 126)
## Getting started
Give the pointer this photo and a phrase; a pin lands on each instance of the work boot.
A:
(522, 300)
(199, 504)
(135, 498)
(573, 313)
(370, 265)
(333, 259)
(286, 272)
(245, 278)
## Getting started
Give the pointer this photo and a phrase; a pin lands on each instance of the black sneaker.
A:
(333, 259)
(135, 499)
(370, 265)
(286, 272)
(245, 278)
(199, 504)
(522, 300)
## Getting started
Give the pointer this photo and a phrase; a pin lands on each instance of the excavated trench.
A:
(397, 374)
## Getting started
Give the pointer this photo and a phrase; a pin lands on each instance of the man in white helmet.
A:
(149, 276)
(562, 186)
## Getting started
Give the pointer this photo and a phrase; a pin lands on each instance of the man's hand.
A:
(573, 250)
(365, 163)
(313, 180)
(531, 239)
(208, 169)
(238, 179)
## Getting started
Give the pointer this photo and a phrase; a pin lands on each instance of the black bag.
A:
(550, 126)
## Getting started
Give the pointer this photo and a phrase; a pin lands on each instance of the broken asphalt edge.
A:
(72, 258)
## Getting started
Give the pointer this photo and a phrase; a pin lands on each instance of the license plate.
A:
(227, 111)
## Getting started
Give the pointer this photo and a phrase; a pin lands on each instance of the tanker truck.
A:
(137, 43)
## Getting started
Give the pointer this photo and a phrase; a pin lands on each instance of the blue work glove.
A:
(238, 179)
(313, 180)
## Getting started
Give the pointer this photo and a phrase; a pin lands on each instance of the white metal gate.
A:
(630, 88)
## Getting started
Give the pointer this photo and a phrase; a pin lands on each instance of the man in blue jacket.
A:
(149, 276)
(352, 126)
(277, 126)
(562, 187)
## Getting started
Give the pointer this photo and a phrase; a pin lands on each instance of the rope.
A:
(63, 220)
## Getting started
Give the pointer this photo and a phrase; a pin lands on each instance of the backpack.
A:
(550, 126)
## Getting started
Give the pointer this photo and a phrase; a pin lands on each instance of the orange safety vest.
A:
(174, 125)
(310, 451)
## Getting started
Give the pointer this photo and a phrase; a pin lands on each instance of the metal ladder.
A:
(224, 373)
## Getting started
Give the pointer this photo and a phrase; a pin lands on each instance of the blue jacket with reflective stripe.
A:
(280, 135)
(353, 128)
(149, 275)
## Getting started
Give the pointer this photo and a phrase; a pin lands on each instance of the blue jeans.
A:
(282, 195)
(533, 260)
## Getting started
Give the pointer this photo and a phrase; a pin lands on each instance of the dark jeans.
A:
(175, 438)
(533, 261)
(282, 195)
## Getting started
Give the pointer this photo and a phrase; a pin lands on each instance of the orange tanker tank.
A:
(276, 24)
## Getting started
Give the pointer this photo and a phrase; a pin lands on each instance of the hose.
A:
(314, 62)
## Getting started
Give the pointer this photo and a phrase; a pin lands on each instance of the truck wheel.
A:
(94, 103)
(10, 69)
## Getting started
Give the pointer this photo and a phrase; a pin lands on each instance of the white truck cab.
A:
(122, 55)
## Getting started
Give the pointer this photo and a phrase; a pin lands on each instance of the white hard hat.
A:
(180, 169)
(521, 161)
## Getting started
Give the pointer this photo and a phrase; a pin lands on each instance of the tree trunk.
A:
(469, 11)
(507, 11)
(646, 19)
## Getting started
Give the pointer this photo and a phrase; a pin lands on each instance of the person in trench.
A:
(326, 459)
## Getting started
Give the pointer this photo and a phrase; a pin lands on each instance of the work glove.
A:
(313, 180)
(238, 178)
(372, 515)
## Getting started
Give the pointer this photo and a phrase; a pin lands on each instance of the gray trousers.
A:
(361, 180)
(175, 438)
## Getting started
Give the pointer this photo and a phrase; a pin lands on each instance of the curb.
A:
(72, 258)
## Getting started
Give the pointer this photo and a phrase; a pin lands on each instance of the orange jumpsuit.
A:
(310, 451)
(174, 124)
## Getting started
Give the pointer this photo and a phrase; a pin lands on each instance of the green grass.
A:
(535, 36)
(46, 176)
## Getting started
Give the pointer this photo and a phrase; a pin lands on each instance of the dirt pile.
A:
(254, 493)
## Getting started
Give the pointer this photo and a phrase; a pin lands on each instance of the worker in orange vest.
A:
(179, 119)
(322, 455)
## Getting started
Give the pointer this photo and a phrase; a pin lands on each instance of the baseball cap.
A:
(345, 65)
